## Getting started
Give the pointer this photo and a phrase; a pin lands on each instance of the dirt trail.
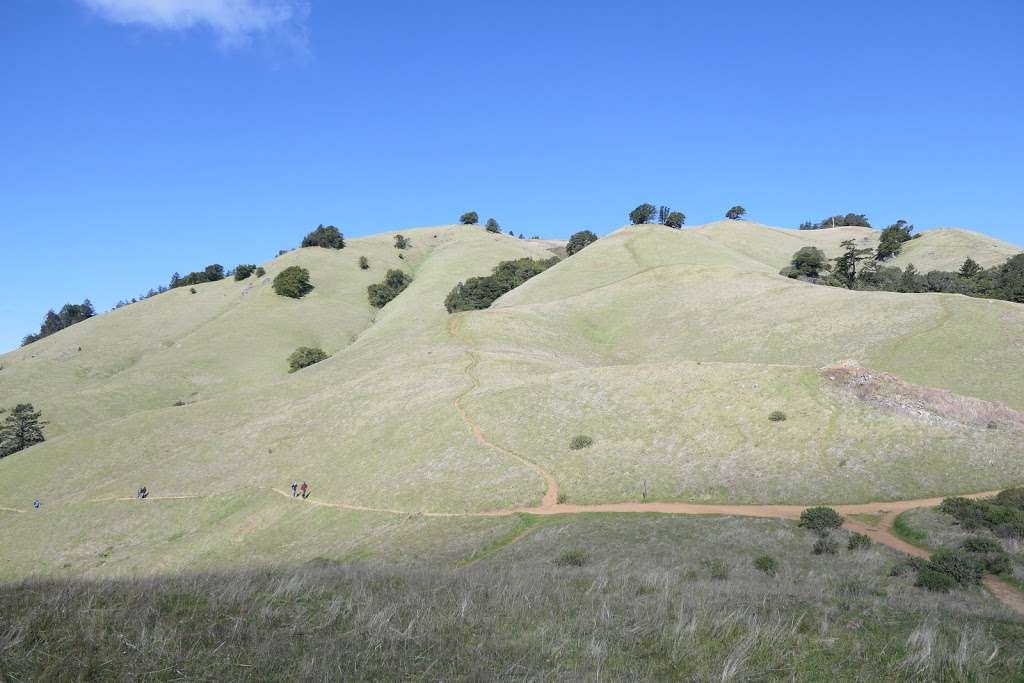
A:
(16, 510)
(550, 498)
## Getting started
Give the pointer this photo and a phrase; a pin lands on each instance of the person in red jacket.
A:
(305, 490)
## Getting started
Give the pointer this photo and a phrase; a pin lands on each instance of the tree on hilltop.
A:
(642, 214)
(675, 219)
(327, 237)
(492, 226)
(735, 213)
(469, 218)
(579, 240)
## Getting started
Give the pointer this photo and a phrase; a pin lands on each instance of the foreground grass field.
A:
(591, 597)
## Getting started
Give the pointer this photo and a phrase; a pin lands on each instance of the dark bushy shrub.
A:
(825, 546)
(242, 271)
(580, 441)
(858, 541)
(469, 218)
(777, 416)
(1011, 498)
(304, 356)
(675, 219)
(325, 236)
(961, 566)
(934, 581)
(767, 564)
(261, 271)
(735, 213)
(492, 226)
(579, 240)
(480, 292)
(820, 518)
(1003, 520)
(572, 558)
(364, 263)
(989, 552)
(293, 282)
(402, 242)
(383, 292)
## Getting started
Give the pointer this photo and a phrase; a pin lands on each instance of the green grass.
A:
(901, 526)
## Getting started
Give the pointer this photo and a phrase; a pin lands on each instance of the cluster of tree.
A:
(1004, 282)
(55, 322)
(326, 236)
(838, 221)
(244, 270)
(21, 429)
(293, 282)
(579, 240)
(210, 273)
(480, 292)
(382, 292)
(402, 242)
(304, 356)
(645, 213)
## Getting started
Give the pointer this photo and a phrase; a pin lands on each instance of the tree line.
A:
(68, 315)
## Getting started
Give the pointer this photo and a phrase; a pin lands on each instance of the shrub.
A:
(908, 565)
(808, 262)
(242, 271)
(820, 518)
(858, 541)
(480, 292)
(825, 546)
(402, 242)
(492, 226)
(1013, 498)
(572, 558)
(642, 214)
(989, 552)
(261, 271)
(579, 240)
(580, 441)
(364, 263)
(777, 416)
(735, 213)
(767, 564)
(717, 569)
(934, 581)
(562, 498)
(304, 356)
(383, 292)
(469, 218)
(293, 282)
(961, 566)
(192, 290)
(981, 544)
(325, 236)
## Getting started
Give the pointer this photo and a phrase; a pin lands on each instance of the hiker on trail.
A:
(305, 490)
(295, 489)
(36, 504)
(142, 493)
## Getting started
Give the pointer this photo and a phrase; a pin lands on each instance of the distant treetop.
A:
(469, 218)
(492, 226)
(325, 236)
(838, 221)
(579, 240)
(735, 213)
(642, 214)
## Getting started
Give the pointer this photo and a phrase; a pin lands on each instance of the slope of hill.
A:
(668, 347)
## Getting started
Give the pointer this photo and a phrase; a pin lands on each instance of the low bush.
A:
(242, 271)
(364, 263)
(767, 564)
(934, 581)
(964, 568)
(402, 242)
(1005, 521)
(858, 541)
(572, 558)
(562, 498)
(1011, 498)
(777, 416)
(580, 441)
(261, 271)
(304, 356)
(579, 240)
(382, 293)
(469, 218)
(293, 282)
(989, 552)
(825, 545)
(820, 518)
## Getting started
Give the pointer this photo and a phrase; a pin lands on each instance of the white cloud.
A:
(234, 21)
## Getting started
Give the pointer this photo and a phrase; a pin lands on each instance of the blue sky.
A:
(143, 137)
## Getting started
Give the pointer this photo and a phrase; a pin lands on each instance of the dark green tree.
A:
(492, 226)
(480, 292)
(675, 219)
(293, 282)
(579, 240)
(244, 270)
(663, 212)
(55, 322)
(469, 218)
(846, 265)
(736, 213)
(642, 214)
(892, 239)
(911, 281)
(22, 428)
(402, 242)
(808, 262)
(969, 269)
(328, 237)
(383, 292)
(304, 356)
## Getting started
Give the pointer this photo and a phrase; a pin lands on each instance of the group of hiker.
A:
(298, 491)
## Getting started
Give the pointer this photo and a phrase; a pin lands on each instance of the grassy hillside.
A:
(669, 348)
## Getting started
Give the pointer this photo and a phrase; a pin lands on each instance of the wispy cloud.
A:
(235, 22)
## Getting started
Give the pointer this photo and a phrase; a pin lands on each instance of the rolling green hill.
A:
(669, 348)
